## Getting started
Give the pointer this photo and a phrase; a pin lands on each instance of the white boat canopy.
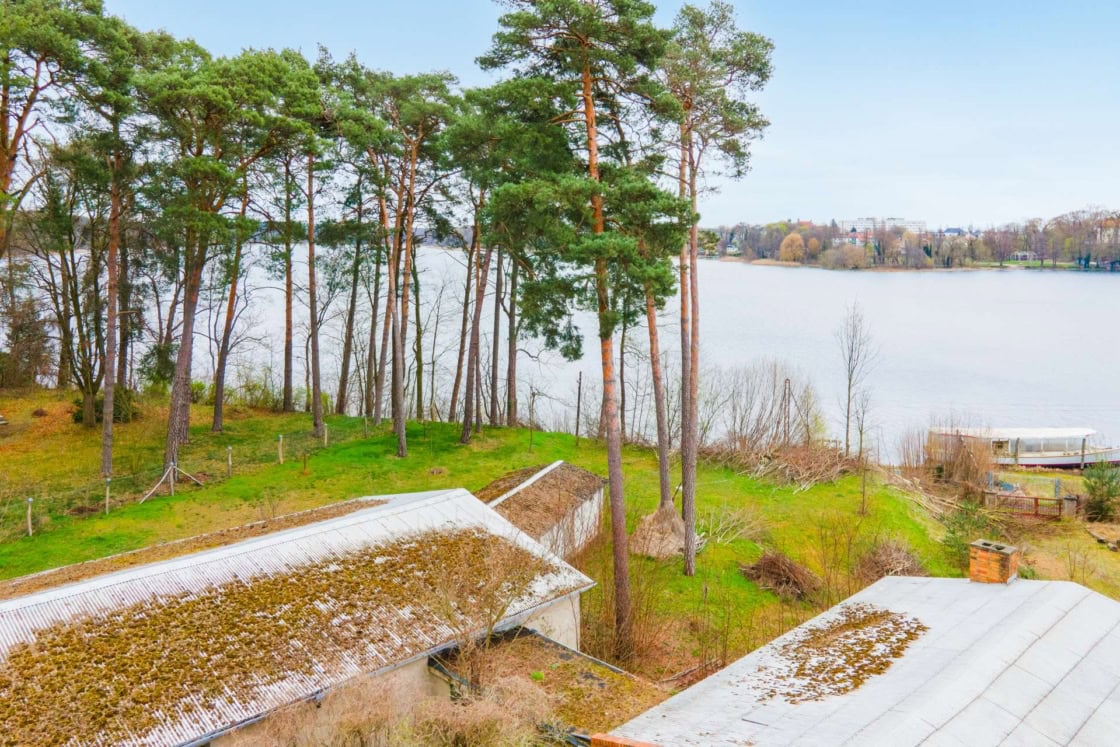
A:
(1010, 434)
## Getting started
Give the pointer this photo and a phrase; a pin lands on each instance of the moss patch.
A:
(840, 655)
(119, 675)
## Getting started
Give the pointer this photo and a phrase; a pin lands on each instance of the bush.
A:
(199, 393)
(1102, 486)
(963, 526)
(125, 407)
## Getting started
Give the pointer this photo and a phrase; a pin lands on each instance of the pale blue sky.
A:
(954, 112)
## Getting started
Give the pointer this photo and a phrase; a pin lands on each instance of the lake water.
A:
(999, 348)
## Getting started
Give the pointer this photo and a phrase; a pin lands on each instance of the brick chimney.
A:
(992, 563)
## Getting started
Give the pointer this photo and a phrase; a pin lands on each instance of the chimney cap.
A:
(999, 547)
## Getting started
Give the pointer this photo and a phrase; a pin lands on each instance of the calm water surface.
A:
(999, 348)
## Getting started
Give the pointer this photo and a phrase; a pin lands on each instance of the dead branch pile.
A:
(888, 558)
(801, 465)
(730, 523)
(779, 574)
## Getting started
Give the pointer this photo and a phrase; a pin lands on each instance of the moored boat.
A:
(1032, 447)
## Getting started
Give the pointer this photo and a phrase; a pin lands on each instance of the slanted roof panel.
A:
(1031, 659)
(329, 569)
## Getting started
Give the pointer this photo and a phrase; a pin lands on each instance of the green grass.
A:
(820, 527)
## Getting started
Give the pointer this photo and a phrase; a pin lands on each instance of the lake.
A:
(1000, 348)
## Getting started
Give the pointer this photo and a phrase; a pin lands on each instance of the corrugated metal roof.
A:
(400, 517)
(1026, 663)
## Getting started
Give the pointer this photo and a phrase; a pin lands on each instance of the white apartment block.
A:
(871, 224)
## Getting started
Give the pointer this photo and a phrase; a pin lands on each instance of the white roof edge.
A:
(1045, 432)
(396, 504)
(517, 488)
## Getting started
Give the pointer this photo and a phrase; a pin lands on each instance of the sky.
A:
(960, 113)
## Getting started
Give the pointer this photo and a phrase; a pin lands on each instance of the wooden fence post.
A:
(229, 461)
(280, 448)
(107, 481)
(30, 531)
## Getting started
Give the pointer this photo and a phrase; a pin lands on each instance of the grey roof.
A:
(400, 636)
(1027, 663)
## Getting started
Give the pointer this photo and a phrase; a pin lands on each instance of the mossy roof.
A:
(175, 651)
(535, 499)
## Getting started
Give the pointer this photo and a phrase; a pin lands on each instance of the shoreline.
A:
(892, 269)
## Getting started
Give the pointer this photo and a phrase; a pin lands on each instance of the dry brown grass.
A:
(582, 693)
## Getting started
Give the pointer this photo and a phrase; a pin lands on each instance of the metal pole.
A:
(229, 461)
(107, 481)
(29, 529)
(280, 448)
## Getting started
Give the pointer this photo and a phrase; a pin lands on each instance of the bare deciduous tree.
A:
(858, 353)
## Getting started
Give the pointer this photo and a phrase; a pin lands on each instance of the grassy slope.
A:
(811, 526)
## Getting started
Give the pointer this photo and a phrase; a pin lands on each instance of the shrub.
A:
(1102, 486)
(964, 525)
(125, 407)
(888, 558)
(199, 393)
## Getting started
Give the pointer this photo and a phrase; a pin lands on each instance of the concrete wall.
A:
(572, 533)
(366, 695)
(559, 621)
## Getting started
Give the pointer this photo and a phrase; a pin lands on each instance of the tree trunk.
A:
(622, 382)
(688, 474)
(288, 404)
(623, 631)
(688, 457)
(371, 352)
(124, 294)
(497, 333)
(392, 259)
(351, 312)
(464, 325)
(316, 382)
(227, 329)
(471, 401)
(418, 344)
(393, 321)
(664, 479)
(511, 353)
(179, 418)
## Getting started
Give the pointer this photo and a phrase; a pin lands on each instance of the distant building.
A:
(873, 224)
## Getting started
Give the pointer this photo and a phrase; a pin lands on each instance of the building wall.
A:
(364, 696)
(572, 533)
(559, 621)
